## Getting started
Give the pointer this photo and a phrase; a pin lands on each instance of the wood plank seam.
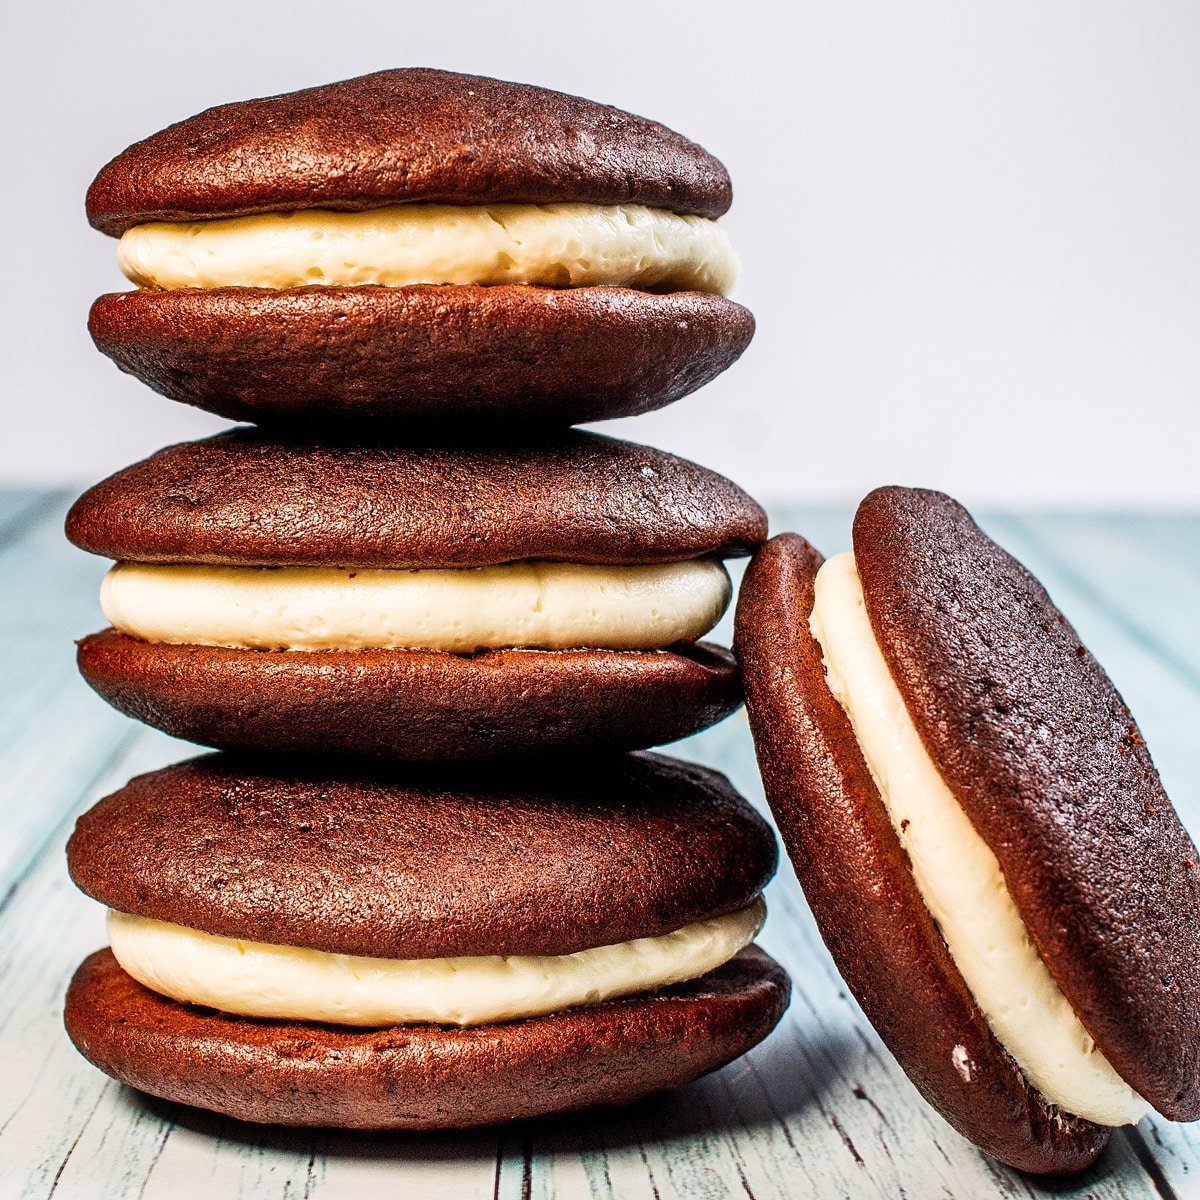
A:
(120, 748)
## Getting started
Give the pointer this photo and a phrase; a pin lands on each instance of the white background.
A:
(970, 231)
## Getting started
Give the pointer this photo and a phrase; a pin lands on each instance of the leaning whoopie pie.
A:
(426, 603)
(419, 245)
(423, 950)
(979, 829)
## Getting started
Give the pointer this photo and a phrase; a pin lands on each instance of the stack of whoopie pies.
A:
(430, 879)
(424, 883)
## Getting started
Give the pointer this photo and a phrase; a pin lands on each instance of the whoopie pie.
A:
(979, 829)
(428, 603)
(422, 949)
(418, 245)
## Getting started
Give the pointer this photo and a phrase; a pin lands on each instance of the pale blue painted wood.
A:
(14, 501)
(55, 736)
(820, 1109)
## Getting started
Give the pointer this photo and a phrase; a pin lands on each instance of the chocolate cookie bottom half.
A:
(421, 1076)
(421, 354)
(418, 706)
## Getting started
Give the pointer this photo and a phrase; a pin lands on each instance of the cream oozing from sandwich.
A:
(552, 245)
(529, 604)
(255, 979)
(956, 872)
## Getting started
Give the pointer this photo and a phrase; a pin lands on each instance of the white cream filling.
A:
(254, 979)
(957, 874)
(531, 604)
(556, 245)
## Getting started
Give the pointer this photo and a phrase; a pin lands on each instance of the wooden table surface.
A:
(818, 1110)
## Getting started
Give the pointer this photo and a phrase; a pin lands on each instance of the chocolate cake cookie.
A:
(521, 942)
(428, 604)
(419, 246)
(979, 830)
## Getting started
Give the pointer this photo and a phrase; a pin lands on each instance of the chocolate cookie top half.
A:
(1042, 753)
(404, 135)
(540, 860)
(246, 498)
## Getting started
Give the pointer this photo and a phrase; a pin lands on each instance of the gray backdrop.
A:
(970, 231)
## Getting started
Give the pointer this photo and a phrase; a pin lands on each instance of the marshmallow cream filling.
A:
(957, 874)
(254, 979)
(532, 604)
(555, 245)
